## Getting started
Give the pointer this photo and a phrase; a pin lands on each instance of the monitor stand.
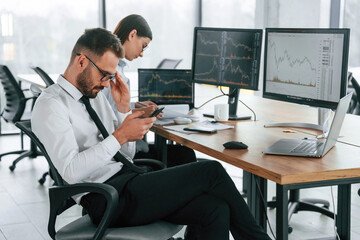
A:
(323, 123)
(233, 103)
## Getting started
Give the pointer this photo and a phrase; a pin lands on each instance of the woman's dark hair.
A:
(98, 41)
(131, 22)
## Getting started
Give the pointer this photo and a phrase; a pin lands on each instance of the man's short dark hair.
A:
(98, 41)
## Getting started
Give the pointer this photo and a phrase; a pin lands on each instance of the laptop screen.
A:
(166, 86)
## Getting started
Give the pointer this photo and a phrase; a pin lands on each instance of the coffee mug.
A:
(221, 112)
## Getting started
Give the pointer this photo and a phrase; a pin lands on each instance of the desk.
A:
(340, 166)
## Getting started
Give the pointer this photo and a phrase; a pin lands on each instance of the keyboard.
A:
(307, 147)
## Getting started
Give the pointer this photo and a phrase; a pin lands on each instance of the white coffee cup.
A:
(221, 112)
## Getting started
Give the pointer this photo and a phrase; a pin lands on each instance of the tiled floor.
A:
(24, 203)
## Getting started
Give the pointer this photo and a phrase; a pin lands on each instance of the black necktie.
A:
(118, 156)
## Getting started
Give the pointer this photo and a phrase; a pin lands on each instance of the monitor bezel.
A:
(303, 100)
(168, 70)
(260, 31)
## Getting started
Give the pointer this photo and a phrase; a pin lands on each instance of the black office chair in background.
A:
(44, 76)
(14, 111)
(356, 87)
(83, 228)
(168, 63)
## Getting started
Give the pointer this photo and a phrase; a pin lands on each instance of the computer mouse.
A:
(182, 120)
(235, 145)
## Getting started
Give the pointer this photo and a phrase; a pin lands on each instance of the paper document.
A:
(172, 111)
(176, 110)
(206, 123)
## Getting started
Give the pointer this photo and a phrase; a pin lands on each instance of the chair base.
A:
(43, 178)
(13, 152)
(307, 204)
(27, 153)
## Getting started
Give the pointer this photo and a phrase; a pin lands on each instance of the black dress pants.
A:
(176, 155)
(199, 194)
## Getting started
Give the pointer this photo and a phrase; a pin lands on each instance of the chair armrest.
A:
(60, 194)
(154, 164)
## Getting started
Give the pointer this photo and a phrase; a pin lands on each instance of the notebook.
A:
(313, 147)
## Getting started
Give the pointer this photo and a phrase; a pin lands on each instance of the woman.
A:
(135, 36)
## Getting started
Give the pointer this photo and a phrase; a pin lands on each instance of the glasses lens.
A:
(108, 77)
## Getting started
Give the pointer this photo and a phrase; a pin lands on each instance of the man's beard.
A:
(84, 84)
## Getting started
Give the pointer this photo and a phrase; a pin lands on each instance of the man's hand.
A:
(147, 107)
(133, 128)
(121, 94)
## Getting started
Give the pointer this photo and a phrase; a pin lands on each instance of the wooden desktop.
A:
(340, 166)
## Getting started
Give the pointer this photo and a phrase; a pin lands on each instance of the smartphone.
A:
(156, 112)
(201, 129)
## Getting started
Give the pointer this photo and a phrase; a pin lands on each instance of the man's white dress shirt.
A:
(78, 150)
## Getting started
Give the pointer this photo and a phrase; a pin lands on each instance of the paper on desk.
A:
(172, 111)
(175, 110)
(207, 123)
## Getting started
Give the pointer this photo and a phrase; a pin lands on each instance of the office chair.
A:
(14, 111)
(44, 76)
(168, 63)
(83, 228)
(356, 86)
(305, 204)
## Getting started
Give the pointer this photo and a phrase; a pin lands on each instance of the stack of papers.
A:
(172, 111)
(209, 124)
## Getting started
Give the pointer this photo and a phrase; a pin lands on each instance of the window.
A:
(351, 20)
(172, 24)
(42, 33)
(228, 13)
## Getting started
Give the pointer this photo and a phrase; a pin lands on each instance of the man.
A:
(200, 195)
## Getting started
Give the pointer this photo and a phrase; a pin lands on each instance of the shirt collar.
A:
(122, 63)
(69, 88)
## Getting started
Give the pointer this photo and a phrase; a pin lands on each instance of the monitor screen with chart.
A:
(227, 57)
(306, 66)
(166, 86)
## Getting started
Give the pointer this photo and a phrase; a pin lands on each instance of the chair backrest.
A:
(14, 96)
(356, 87)
(168, 63)
(44, 76)
(25, 126)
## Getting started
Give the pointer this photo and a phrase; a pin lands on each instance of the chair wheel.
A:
(12, 168)
(290, 229)
(41, 181)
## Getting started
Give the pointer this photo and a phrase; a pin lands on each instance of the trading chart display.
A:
(305, 64)
(164, 86)
(227, 57)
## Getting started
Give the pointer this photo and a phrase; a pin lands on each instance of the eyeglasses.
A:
(144, 48)
(105, 77)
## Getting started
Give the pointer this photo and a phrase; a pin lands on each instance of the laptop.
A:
(313, 147)
(166, 86)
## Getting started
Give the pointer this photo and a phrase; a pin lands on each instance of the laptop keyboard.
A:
(307, 147)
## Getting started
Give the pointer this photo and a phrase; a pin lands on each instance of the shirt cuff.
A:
(122, 116)
(111, 144)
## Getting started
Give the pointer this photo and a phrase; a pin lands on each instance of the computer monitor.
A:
(166, 86)
(227, 57)
(306, 66)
